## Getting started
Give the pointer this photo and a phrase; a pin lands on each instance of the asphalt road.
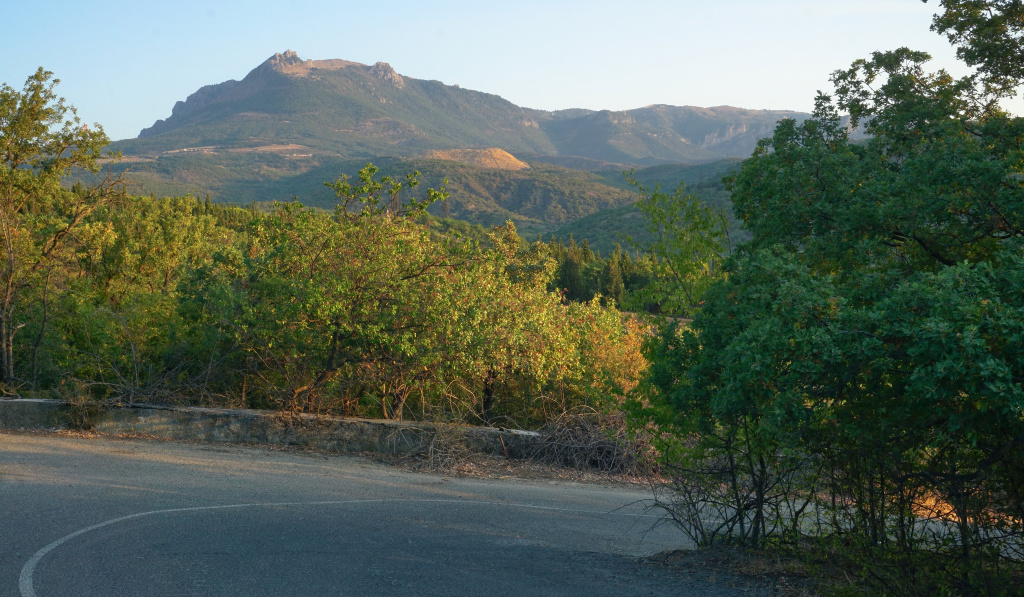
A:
(111, 517)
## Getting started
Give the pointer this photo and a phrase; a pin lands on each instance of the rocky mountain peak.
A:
(384, 72)
(281, 61)
(286, 63)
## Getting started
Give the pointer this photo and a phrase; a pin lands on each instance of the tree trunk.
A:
(398, 399)
(488, 404)
(6, 371)
(39, 341)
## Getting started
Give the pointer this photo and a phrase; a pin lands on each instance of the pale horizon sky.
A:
(124, 64)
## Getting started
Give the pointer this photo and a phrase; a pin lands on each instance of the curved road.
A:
(110, 517)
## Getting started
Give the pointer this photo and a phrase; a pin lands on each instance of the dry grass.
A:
(481, 466)
(447, 454)
(487, 158)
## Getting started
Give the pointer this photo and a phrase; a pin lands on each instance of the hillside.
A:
(605, 228)
(541, 198)
(658, 134)
(498, 159)
(537, 198)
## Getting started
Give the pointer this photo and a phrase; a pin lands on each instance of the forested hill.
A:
(537, 198)
(306, 108)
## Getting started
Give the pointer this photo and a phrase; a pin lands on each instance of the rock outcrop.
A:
(384, 72)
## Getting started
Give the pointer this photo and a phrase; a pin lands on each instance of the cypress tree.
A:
(614, 287)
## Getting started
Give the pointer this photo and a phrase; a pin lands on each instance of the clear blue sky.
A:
(125, 63)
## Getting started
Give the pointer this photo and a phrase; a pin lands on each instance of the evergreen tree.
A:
(570, 279)
(614, 287)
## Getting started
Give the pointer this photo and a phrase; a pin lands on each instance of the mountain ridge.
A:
(290, 124)
(348, 109)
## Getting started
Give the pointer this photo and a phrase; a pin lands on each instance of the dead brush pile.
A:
(593, 440)
(446, 452)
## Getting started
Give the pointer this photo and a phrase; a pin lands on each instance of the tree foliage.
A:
(369, 309)
(987, 35)
(864, 346)
(44, 225)
(690, 241)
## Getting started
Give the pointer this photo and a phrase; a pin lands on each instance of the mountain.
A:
(339, 108)
(306, 108)
(660, 134)
(292, 124)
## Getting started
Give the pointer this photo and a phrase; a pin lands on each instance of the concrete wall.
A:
(333, 434)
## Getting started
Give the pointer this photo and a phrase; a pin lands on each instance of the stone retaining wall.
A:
(335, 434)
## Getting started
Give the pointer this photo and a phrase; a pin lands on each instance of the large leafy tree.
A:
(874, 321)
(118, 327)
(42, 221)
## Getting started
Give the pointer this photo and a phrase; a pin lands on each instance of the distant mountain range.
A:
(292, 124)
(307, 108)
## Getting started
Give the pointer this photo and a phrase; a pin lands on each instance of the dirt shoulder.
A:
(464, 464)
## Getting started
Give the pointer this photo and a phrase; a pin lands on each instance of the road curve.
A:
(111, 517)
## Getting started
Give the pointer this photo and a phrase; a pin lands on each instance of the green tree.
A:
(987, 35)
(614, 287)
(872, 322)
(570, 279)
(315, 305)
(42, 222)
(690, 243)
